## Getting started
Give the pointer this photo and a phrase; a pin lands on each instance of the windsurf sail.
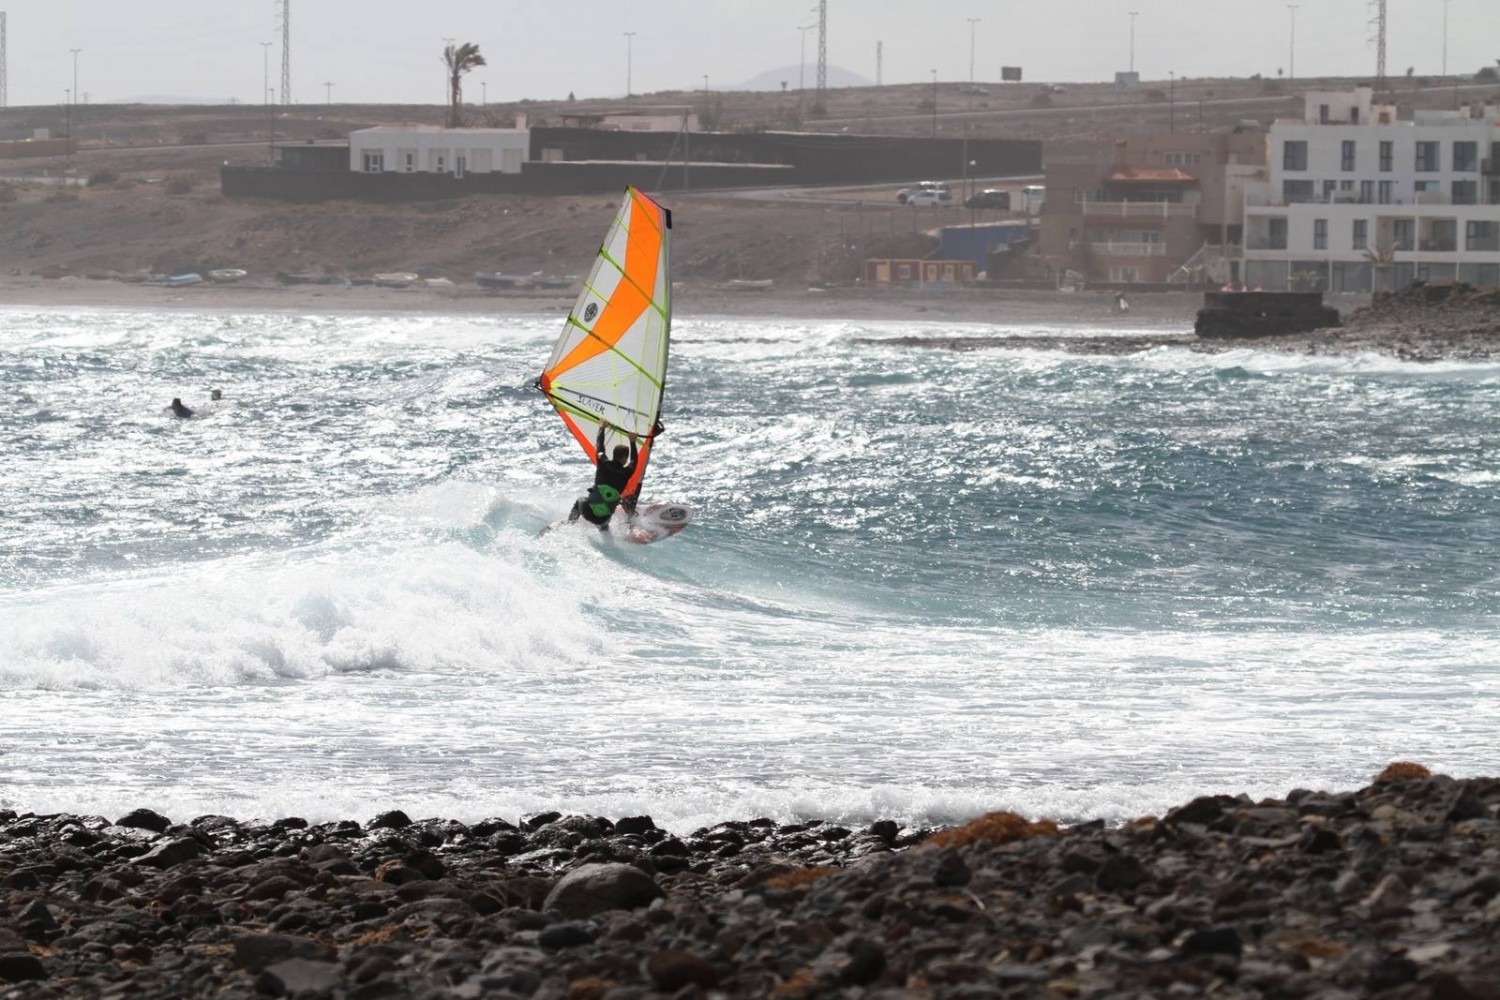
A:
(609, 367)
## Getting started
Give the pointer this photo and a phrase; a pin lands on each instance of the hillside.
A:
(132, 221)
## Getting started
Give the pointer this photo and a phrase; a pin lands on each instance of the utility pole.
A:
(1379, 21)
(4, 96)
(629, 60)
(67, 133)
(286, 52)
(822, 51)
(879, 63)
(1172, 101)
(328, 93)
(1132, 14)
(75, 72)
(1291, 59)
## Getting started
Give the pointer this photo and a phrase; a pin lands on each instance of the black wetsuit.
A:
(610, 480)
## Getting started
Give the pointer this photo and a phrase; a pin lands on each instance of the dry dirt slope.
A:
(715, 238)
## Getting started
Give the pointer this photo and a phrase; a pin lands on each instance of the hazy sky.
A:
(388, 50)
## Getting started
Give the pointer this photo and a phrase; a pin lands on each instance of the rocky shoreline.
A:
(1389, 891)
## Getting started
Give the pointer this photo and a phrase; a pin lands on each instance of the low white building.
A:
(1356, 200)
(411, 149)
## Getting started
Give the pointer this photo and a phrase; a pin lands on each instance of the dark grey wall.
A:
(535, 178)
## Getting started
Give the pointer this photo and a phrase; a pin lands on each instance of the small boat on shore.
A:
(396, 279)
(747, 284)
(190, 278)
(224, 275)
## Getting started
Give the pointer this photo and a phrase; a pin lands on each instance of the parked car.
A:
(930, 198)
(905, 194)
(988, 198)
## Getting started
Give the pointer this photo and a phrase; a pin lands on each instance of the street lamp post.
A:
(1291, 58)
(802, 59)
(972, 22)
(265, 95)
(934, 104)
(629, 61)
(1132, 14)
(1172, 101)
(328, 92)
(75, 73)
(67, 133)
(1445, 37)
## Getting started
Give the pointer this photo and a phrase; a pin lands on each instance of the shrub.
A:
(1042, 101)
(60, 196)
(194, 139)
(100, 178)
(1486, 73)
(179, 184)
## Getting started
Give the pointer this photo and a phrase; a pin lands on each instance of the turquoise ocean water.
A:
(922, 584)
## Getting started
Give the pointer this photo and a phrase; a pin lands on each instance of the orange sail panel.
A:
(609, 365)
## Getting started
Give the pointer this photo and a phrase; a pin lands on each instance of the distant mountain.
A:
(772, 79)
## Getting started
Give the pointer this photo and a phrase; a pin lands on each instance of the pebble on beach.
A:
(1389, 891)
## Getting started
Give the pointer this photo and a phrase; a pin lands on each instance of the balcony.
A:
(1138, 209)
(1121, 248)
(1439, 246)
(1265, 244)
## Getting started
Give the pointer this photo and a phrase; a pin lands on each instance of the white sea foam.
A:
(921, 584)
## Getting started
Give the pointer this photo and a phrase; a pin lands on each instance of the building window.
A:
(1403, 231)
(1320, 234)
(1329, 187)
(1465, 192)
(1465, 157)
(1367, 191)
(1296, 192)
(1442, 236)
(374, 161)
(1276, 234)
(1294, 154)
(1182, 159)
(1387, 155)
(1482, 236)
(1323, 114)
(1346, 157)
(1429, 157)
(1361, 234)
(1386, 192)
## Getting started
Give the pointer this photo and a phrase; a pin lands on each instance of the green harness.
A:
(608, 498)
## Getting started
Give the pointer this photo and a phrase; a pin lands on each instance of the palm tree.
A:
(459, 60)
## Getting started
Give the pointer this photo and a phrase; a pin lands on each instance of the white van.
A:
(1032, 196)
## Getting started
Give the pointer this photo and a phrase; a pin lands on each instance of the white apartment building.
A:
(1356, 200)
(410, 149)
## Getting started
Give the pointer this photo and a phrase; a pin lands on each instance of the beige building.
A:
(1150, 208)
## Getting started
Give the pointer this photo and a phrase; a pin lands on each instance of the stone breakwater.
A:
(1390, 891)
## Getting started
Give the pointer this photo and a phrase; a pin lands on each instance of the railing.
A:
(1490, 243)
(1120, 248)
(1265, 245)
(1139, 209)
(1440, 246)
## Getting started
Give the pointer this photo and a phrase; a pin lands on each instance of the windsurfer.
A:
(611, 477)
